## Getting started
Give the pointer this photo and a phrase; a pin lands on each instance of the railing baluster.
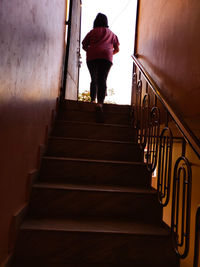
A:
(197, 239)
(144, 121)
(177, 181)
(138, 103)
(147, 87)
(166, 155)
(153, 139)
(162, 166)
(181, 243)
(133, 97)
(183, 209)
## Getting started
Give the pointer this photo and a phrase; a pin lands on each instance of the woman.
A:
(100, 45)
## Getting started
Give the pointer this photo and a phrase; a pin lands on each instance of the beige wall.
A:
(31, 49)
(168, 47)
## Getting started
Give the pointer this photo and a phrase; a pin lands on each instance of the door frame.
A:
(67, 48)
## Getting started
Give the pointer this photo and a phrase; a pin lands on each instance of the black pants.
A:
(99, 69)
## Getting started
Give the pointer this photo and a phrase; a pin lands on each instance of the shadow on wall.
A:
(31, 48)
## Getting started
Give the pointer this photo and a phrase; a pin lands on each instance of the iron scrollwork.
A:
(153, 139)
(147, 125)
(181, 202)
(164, 166)
(144, 121)
(138, 105)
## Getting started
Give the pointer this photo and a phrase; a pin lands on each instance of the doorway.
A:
(121, 19)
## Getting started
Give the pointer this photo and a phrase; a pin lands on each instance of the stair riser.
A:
(94, 150)
(94, 173)
(90, 116)
(22, 264)
(84, 106)
(62, 247)
(94, 131)
(61, 202)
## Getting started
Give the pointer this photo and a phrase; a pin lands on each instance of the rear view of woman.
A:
(100, 45)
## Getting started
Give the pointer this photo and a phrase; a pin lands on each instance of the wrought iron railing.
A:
(180, 222)
(164, 166)
(197, 239)
(153, 118)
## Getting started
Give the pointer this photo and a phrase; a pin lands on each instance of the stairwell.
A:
(93, 204)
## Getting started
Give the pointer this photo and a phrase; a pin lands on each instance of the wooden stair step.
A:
(87, 106)
(55, 200)
(30, 264)
(95, 149)
(91, 116)
(74, 170)
(93, 204)
(91, 242)
(92, 225)
(93, 131)
(97, 188)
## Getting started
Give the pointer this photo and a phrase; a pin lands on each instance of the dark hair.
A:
(100, 21)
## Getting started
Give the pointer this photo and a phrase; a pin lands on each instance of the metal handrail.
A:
(188, 134)
(149, 108)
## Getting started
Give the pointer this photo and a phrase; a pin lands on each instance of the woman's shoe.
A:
(99, 113)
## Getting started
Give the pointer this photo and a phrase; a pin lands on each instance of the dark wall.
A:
(31, 55)
(168, 47)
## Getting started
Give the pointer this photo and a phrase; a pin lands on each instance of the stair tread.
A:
(117, 162)
(95, 226)
(95, 123)
(93, 140)
(99, 188)
(80, 105)
(93, 110)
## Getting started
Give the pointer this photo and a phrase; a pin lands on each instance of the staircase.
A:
(93, 204)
